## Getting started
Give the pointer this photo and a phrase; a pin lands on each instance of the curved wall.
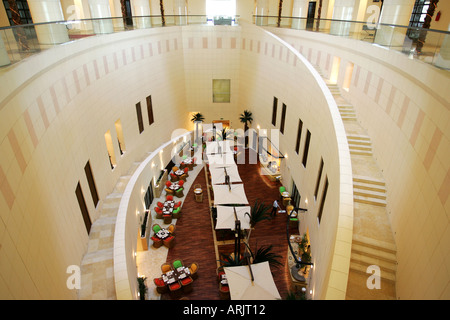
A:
(55, 109)
(57, 106)
(404, 105)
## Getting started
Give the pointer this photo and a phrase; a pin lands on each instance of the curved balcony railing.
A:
(428, 45)
(21, 41)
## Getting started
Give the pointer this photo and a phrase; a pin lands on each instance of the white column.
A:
(141, 8)
(396, 12)
(180, 11)
(116, 12)
(262, 9)
(443, 58)
(299, 10)
(48, 11)
(4, 59)
(100, 9)
(343, 10)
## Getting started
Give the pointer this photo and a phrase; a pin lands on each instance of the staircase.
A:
(369, 190)
(359, 145)
(373, 243)
(97, 265)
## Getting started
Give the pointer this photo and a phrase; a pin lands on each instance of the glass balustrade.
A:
(22, 41)
(428, 45)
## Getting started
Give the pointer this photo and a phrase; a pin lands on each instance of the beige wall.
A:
(404, 106)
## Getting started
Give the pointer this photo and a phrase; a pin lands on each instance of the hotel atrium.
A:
(224, 150)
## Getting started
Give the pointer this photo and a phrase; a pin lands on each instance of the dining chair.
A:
(175, 290)
(169, 242)
(224, 291)
(161, 287)
(186, 171)
(194, 162)
(166, 267)
(183, 177)
(181, 183)
(186, 284)
(177, 263)
(167, 218)
(169, 198)
(176, 213)
(178, 204)
(156, 228)
(179, 193)
(193, 269)
(157, 243)
(174, 168)
(169, 191)
(173, 177)
(160, 204)
(168, 183)
(159, 214)
(172, 229)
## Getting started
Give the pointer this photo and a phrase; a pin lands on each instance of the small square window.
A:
(221, 90)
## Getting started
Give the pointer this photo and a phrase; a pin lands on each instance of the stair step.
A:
(358, 147)
(375, 253)
(361, 267)
(371, 201)
(364, 138)
(369, 195)
(347, 112)
(368, 180)
(369, 187)
(360, 142)
(373, 243)
(360, 153)
(387, 268)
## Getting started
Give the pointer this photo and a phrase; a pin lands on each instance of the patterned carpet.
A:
(195, 239)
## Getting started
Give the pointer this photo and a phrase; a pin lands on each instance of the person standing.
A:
(274, 208)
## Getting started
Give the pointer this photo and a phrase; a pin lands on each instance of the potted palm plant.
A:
(246, 117)
(258, 212)
(142, 287)
(197, 117)
(265, 253)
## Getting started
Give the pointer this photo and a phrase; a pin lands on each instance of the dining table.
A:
(168, 207)
(189, 162)
(163, 234)
(179, 173)
(174, 186)
(175, 275)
